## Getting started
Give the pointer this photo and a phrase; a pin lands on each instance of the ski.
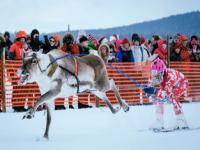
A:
(175, 130)
(165, 130)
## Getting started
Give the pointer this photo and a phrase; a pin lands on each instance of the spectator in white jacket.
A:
(139, 53)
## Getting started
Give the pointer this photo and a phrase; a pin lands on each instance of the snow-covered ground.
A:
(98, 129)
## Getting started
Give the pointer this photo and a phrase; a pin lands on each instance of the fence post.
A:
(3, 58)
(168, 51)
(97, 102)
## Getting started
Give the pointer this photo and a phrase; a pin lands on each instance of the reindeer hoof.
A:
(125, 106)
(114, 111)
(29, 114)
(126, 109)
(46, 137)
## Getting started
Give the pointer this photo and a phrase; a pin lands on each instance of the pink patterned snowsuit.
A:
(173, 86)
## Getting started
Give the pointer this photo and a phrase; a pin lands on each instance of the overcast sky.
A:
(55, 15)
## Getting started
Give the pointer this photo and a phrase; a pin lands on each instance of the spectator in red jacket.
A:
(68, 44)
(181, 51)
(160, 52)
(17, 48)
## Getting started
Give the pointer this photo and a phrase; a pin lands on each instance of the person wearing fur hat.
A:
(139, 53)
(104, 52)
(35, 43)
(124, 53)
(68, 44)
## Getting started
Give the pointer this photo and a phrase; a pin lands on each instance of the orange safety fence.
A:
(1, 85)
(26, 95)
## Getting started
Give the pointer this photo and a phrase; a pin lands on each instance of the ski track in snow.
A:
(99, 129)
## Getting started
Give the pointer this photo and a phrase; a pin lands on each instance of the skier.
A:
(173, 84)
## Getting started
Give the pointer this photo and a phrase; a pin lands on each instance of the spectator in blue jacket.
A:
(124, 53)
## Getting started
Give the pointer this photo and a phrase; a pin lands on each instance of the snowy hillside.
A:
(98, 129)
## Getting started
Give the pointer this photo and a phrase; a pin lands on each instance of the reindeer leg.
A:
(103, 96)
(50, 95)
(46, 134)
(122, 102)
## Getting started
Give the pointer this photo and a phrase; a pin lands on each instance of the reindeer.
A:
(61, 75)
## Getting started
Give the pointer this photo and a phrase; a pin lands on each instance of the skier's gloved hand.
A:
(149, 90)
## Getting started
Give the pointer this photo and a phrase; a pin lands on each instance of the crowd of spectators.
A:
(138, 49)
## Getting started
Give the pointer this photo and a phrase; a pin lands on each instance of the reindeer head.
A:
(29, 67)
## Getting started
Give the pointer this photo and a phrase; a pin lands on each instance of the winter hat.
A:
(104, 56)
(161, 42)
(104, 45)
(156, 37)
(92, 39)
(34, 31)
(83, 39)
(194, 37)
(125, 41)
(68, 38)
(21, 34)
(135, 37)
(56, 37)
(7, 34)
(182, 38)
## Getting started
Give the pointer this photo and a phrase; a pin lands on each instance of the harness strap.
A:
(141, 50)
(53, 66)
(76, 66)
(73, 74)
